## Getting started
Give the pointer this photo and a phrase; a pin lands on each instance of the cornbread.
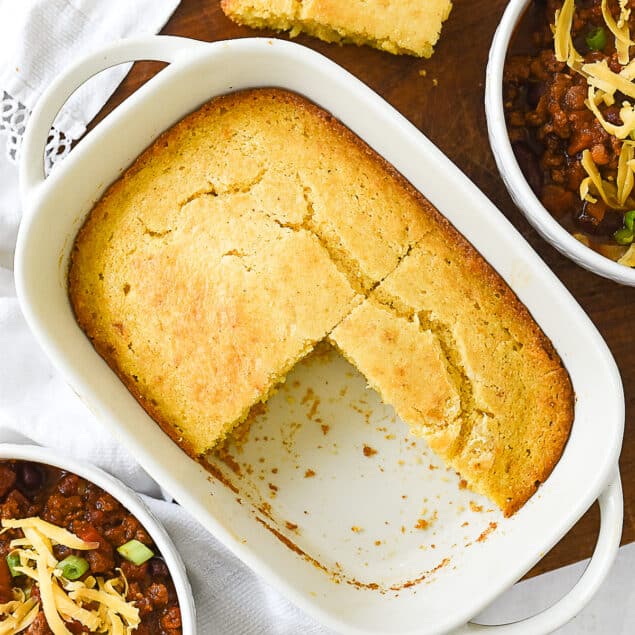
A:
(406, 27)
(259, 226)
(491, 396)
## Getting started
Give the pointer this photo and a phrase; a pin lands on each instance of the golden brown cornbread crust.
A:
(409, 27)
(258, 226)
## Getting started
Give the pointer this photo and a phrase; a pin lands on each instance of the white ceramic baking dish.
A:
(131, 501)
(528, 203)
(357, 518)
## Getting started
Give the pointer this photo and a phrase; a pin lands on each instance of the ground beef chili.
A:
(550, 126)
(65, 499)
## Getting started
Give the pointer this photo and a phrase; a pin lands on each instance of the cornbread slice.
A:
(409, 27)
(516, 402)
(406, 364)
(257, 227)
(202, 317)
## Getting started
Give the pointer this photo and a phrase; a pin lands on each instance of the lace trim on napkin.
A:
(13, 119)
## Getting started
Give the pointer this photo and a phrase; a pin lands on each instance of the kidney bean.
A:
(612, 221)
(529, 165)
(5, 582)
(535, 90)
(29, 476)
(157, 567)
(591, 215)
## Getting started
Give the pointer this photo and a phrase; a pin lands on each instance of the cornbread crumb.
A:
(490, 528)
(368, 451)
(408, 27)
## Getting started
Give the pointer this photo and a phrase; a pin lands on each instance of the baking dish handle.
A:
(611, 512)
(161, 48)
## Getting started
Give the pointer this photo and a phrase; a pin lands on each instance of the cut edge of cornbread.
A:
(320, 19)
(450, 440)
(488, 446)
(393, 352)
(174, 431)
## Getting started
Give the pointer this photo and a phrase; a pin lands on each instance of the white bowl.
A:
(349, 488)
(544, 223)
(131, 501)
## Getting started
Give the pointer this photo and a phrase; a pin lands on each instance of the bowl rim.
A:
(131, 501)
(513, 177)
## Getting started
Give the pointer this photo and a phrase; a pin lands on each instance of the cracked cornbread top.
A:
(259, 226)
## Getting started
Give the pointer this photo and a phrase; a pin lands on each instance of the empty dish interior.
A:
(336, 476)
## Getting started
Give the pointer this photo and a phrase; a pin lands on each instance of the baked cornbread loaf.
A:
(259, 226)
(410, 27)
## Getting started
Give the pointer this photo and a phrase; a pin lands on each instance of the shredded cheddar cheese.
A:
(97, 603)
(627, 115)
(565, 50)
(18, 614)
(607, 98)
(615, 195)
(584, 191)
(50, 532)
(625, 179)
(69, 610)
(594, 175)
(625, 13)
(629, 71)
(620, 30)
(45, 582)
(628, 258)
(599, 74)
(604, 189)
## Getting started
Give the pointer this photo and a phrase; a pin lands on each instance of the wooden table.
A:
(450, 112)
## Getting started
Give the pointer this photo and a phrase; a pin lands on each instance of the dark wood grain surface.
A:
(450, 112)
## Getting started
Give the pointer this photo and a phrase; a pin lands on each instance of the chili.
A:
(550, 126)
(69, 501)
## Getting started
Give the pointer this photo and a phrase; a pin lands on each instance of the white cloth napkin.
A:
(37, 39)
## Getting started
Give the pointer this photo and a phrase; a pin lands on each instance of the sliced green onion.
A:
(629, 219)
(623, 236)
(73, 567)
(596, 39)
(135, 552)
(13, 560)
